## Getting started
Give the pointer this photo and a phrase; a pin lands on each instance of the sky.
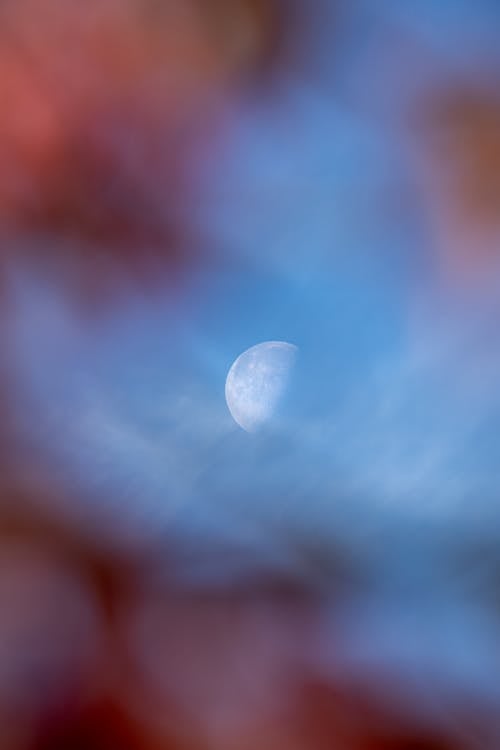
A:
(311, 207)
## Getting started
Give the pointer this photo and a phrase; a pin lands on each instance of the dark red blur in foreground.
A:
(98, 656)
(462, 130)
(102, 111)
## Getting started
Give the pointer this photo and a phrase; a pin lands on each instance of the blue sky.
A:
(320, 237)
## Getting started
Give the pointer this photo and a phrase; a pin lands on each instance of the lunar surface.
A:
(257, 382)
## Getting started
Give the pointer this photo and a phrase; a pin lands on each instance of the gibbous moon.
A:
(257, 381)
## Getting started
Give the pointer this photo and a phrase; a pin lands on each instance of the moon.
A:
(257, 381)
